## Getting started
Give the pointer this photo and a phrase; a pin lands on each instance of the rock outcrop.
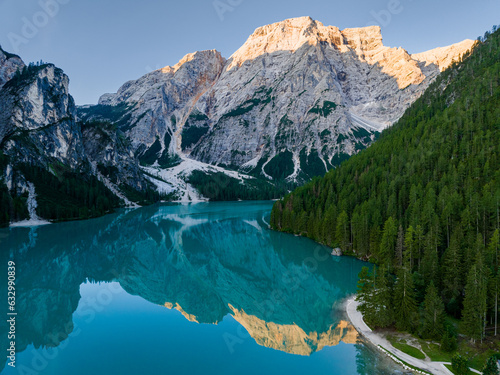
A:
(443, 57)
(9, 64)
(155, 103)
(37, 117)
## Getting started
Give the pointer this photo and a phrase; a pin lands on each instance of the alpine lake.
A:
(201, 288)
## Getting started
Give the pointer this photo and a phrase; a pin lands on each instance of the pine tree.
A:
(365, 293)
(430, 264)
(419, 243)
(495, 297)
(433, 313)
(460, 364)
(453, 274)
(493, 251)
(474, 312)
(491, 367)
(448, 341)
(409, 246)
(383, 314)
(388, 242)
(342, 230)
(400, 247)
(405, 306)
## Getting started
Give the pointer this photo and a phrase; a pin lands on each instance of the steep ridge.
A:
(164, 97)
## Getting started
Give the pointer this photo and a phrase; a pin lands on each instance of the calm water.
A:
(184, 289)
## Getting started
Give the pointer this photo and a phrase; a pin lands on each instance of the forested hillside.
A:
(423, 202)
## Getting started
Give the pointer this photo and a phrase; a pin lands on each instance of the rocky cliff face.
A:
(9, 64)
(291, 338)
(39, 129)
(37, 117)
(150, 109)
(294, 101)
(112, 160)
(147, 113)
(304, 93)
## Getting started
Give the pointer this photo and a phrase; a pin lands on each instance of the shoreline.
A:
(28, 223)
(356, 318)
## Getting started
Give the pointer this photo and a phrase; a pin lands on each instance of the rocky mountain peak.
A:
(45, 103)
(9, 64)
(363, 38)
(294, 101)
(291, 34)
(198, 57)
(196, 68)
(47, 100)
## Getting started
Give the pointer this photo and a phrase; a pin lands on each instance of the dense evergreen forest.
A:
(220, 187)
(423, 203)
(12, 206)
(62, 195)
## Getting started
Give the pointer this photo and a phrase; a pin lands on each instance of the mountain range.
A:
(293, 102)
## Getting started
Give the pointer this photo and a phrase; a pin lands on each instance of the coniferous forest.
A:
(67, 196)
(423, 203)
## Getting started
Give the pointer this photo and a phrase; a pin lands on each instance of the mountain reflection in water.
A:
(207, 261)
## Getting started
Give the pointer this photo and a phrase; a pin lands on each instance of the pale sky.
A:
(101, 44)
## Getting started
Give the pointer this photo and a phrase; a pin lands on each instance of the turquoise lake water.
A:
(182, 289)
